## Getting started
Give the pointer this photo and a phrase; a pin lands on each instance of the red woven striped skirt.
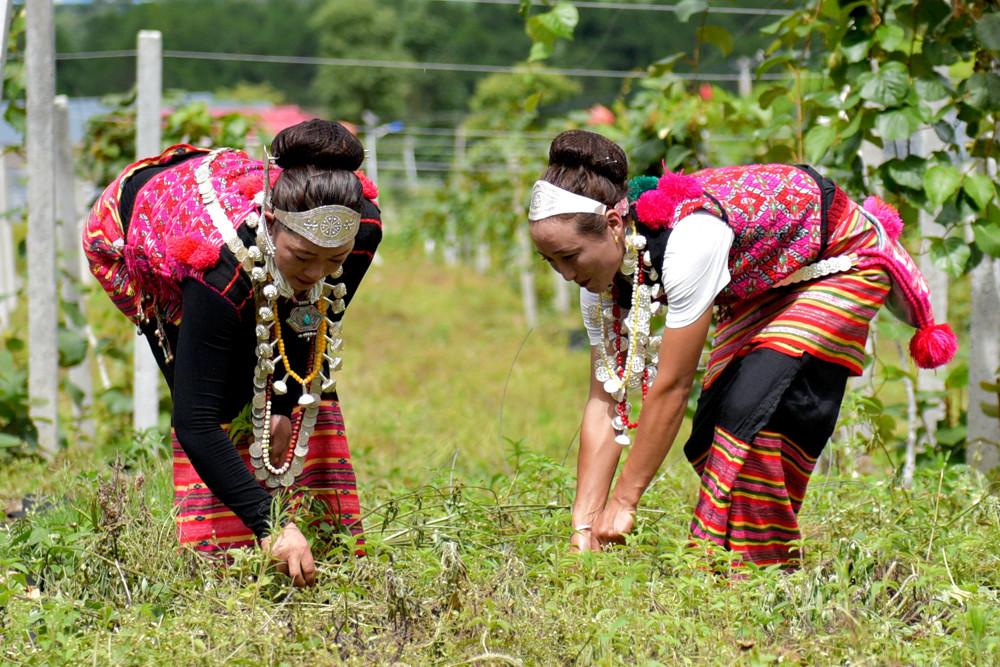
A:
(750, 496)
(769, 405)
(325, 492)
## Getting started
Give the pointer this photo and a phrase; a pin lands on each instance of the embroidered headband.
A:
(328, 226)
(548, 200)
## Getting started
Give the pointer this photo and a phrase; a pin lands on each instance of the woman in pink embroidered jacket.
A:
(794, 270)
(238, 273)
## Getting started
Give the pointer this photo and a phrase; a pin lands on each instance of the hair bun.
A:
(324, 144)
(591, 151)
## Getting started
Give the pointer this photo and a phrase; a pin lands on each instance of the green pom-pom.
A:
(639, 184)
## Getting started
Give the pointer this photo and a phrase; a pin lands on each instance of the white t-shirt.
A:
(695, 269)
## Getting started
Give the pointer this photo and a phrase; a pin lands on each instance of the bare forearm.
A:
(596, 464)
(660, 421)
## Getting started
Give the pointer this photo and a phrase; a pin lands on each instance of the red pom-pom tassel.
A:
(933, 346)
(249, 185)
(368, 188)
(197, 253)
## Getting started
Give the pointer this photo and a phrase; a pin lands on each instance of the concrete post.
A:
(746, 79)
(8, 277)
(527, 277)
(984, 359)
(927, 142)
(459, 149)
(410, 162)
(983, 449)
(371, 145)
(69, 253)
(43, 312)
(529, 298)
(149, 86)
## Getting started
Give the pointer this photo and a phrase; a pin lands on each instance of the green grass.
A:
(462, 427)
(441, 366)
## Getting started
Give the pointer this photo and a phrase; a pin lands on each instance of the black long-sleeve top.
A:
(211, 375)
(213, 368)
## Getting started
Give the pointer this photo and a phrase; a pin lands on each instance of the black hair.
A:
(588, 164)
(318, 159)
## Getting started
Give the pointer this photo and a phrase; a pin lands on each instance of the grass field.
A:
(462, 426)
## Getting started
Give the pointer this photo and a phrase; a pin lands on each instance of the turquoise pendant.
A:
(304, 320)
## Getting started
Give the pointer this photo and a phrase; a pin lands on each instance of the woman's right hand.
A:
(292, 551)
(597, 461)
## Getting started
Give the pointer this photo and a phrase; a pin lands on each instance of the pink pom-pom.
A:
(933, 346)
(887, 215)
(197, 253)
(654, 209)
(679, 187)
(368, 188)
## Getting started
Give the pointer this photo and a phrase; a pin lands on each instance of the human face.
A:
(591, 261)
(302, 262)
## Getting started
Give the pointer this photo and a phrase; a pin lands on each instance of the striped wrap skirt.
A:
(325, 495)
(771, 397)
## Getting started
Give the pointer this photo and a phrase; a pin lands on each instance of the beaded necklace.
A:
(269, 284)
(628, 355)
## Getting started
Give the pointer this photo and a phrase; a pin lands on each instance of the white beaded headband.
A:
(548, 200)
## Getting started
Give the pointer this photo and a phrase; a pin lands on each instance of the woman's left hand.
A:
(614, 522)
(281, 437)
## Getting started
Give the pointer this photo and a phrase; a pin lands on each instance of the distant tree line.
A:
(410, 30)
